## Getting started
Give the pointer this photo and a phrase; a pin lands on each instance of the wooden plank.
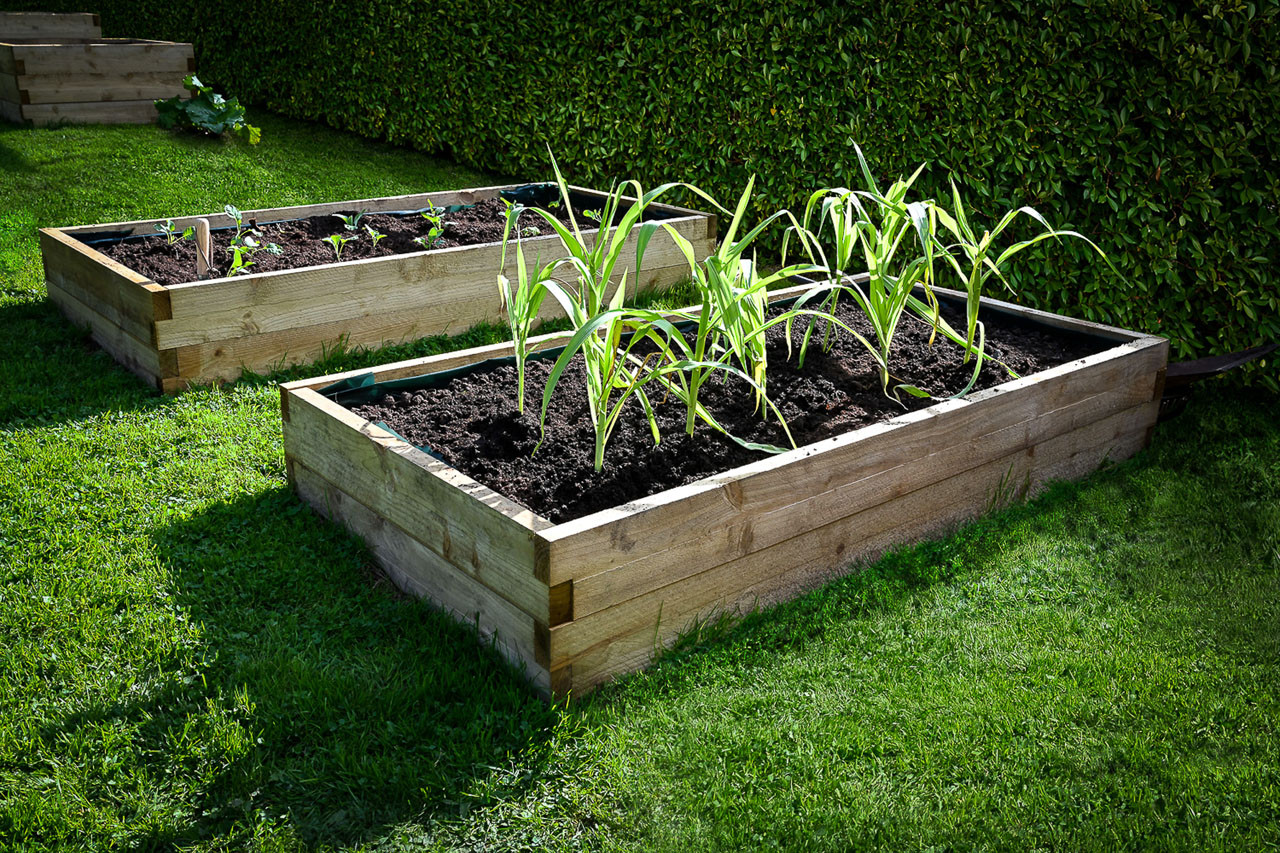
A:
(22, 25)
(104, 56)
(436, 281)
(419, 571)
(9, 90)
(897, 462)
(94, 88)
(623, 638)
(95, 279)
(626, 534)
(7, 63)
(474, 529)
(133, 354)
(226, 360)
(103, 112)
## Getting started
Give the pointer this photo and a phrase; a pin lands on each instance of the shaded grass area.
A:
(189, 658)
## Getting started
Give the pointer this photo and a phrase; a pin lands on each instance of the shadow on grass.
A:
(51, 372)
(1187, 535)
(365, 708)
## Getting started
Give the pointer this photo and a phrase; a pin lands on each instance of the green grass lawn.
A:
(190, 659)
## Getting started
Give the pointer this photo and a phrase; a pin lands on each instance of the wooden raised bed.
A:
(45, 25)
(183, 334)
(49, 79)
(580, 602)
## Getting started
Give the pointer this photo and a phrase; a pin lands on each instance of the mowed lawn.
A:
(191, 659)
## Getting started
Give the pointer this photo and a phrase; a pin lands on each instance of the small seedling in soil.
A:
(171, 235)
(593, 215)
(530, 231)
(352, 222)
(374, 234)
(234, 212)
(337, 241)
(240, 260)
(435, 217)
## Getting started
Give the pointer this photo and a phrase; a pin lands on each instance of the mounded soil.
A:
(302, 241)
(472, 422)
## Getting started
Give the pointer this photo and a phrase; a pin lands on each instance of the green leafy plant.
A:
(171, 234)
(530, 231)
(206, 111)
(435, 219)
(522, 302)
(977, 264)
(351, 222)
(338, 242)
(374, 234)
(872, 226)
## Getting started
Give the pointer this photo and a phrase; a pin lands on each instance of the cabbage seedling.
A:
(351, 222)
(374, 234)
(337, 241)
(171, 235)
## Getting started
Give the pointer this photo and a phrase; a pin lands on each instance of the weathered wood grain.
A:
(623, 638)
(473, 529)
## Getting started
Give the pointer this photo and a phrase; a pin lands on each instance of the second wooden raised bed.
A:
(203, 331)
(580, 602)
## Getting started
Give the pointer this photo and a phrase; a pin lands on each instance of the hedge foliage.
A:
(1149, 126)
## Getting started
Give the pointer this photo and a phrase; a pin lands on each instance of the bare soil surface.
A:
(302, 241)
(472, 422)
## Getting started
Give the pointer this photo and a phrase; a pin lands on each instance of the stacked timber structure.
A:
(174, 336)
(580, 602)
(58, 67)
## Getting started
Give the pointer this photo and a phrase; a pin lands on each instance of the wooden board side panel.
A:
(399, 484)
(616, 538)
(135, 355)
(228, 359)
(623, 638)
(104, 57)
(419, 571)
(248, 305)
(93, 112)
(25, 25)
(96, 280)
(97, 88)
(931, 454)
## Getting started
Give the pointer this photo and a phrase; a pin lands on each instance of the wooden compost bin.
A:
(57, 68)
(199, 332)
(580, 602)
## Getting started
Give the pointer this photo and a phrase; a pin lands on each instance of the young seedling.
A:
(435, 218)
(352, 222)
(171, 235)
(238, 217)
(337, 241)
(240, 260)
(530, 231)
(374, 234)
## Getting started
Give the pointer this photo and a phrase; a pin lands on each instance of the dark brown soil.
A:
(302, 241)
(471, 422)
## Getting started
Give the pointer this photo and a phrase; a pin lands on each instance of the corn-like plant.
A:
(522, 302)
(870, 226)
(978, 265)
(593, 265)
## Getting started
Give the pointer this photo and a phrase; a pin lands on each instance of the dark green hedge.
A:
(1151, 127)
